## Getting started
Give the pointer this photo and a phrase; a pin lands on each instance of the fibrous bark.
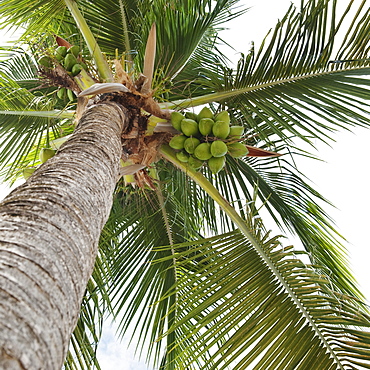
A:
(49, 231)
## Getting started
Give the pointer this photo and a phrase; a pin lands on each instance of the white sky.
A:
(342, 178)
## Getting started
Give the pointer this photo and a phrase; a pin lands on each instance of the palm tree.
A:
(184, 257)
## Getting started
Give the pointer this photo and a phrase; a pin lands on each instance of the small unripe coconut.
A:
(205, 126)
(61, 93)
(27, 172)
(189, 127)
(223, 116)
(205, 113)
(236, 132)
(45, 154)
(203, 151)
(221, 129)
(71, 95)
(176, 118)
(84, 66)
(182, 156)
(190, 144)
(177, 142)
(218, 148)
(237, 150)
(69, 61)
(74, 50)
(195, 163)
(60, 52)
(216, 164)
(191, 115)
(45, 61)
(76, 69)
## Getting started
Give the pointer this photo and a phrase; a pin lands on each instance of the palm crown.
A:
(204, 283)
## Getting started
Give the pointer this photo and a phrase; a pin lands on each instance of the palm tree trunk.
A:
(49, 231)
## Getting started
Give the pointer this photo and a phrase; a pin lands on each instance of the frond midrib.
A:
(69, 114)
(222, 95)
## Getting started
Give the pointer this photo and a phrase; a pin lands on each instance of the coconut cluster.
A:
(71, 60)
(206, 138)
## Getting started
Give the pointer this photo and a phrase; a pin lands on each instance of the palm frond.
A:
(27, 112)
(35, 17)
(204, 61)
(294, 83)
(19, 66)
(86, 336)
(112, 23)
(180, 26)
(83, 343)
(235, 312)
(197, 210)
(137, 225)
(294, 206)
(139, 222)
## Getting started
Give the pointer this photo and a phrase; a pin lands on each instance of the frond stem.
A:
(68, 114)
(125, 31)
(222, 95)
(167, 224)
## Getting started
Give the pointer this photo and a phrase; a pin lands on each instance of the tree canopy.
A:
(186, 259)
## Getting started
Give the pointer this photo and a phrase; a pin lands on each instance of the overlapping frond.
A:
(294, 206)
(247, 310)
(20, 67)
(204, 61)
(112, 23)
(22, 133)
(141, 221)
(122, 27)
(225, 298)
(194, 205)
(181, 26)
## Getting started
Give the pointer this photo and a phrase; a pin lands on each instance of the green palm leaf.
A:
(35, 16)
(192, 203)
(292, 202)
(181, 28)
(214, 301)
(294, 84)
(28, 115)
(19, 66)
(136, 285)
(140, 221)
(20, 132)
(86, 336)
(234, 312)
(113, 24)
